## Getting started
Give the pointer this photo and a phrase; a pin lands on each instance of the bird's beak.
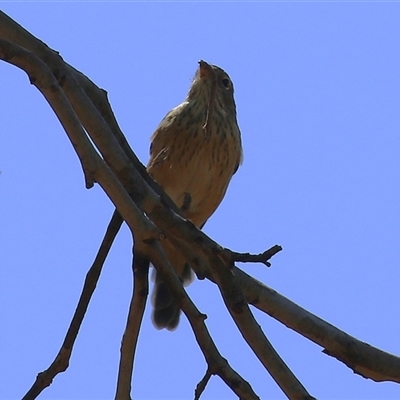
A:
(205, 69)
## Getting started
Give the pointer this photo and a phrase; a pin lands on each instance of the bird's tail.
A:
(166, 310)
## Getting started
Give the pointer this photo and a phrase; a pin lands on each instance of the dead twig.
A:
(140, 269)
(360, 357)
(216, 363)
(61, 361)
(202, 385)
(252, 333)
(231, 257)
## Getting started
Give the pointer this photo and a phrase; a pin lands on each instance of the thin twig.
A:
(140, 269)
(252, 333)
(214, 359)
(232, 256)
(202, 385)
(61, 362)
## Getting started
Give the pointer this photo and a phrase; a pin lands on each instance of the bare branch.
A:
(202, 385)
(216, 363)
(140, 271)
(362, 358)
(93, 166)
(43, 66)
(231, 257)
(61, 362)
(253, 334)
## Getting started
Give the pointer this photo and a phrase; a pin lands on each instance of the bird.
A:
(194, 152)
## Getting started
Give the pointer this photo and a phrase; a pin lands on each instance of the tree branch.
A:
(217, 365)
(362, 358)
(253, 334)
(202, 385)
(140, 269)
(61, 361)
(231, 257)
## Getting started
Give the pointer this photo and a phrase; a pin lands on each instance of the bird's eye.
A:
(226, 82)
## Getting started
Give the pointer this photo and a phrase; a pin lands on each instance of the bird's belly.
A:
(198, 186)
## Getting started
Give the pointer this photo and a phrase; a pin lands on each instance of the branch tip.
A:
(203, 316)
(89, 181)
(231, 257)
(202, 385)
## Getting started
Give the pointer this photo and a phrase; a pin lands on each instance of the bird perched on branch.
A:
(194, 153)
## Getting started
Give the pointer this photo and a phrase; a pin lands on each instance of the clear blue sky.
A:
(317, 93)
